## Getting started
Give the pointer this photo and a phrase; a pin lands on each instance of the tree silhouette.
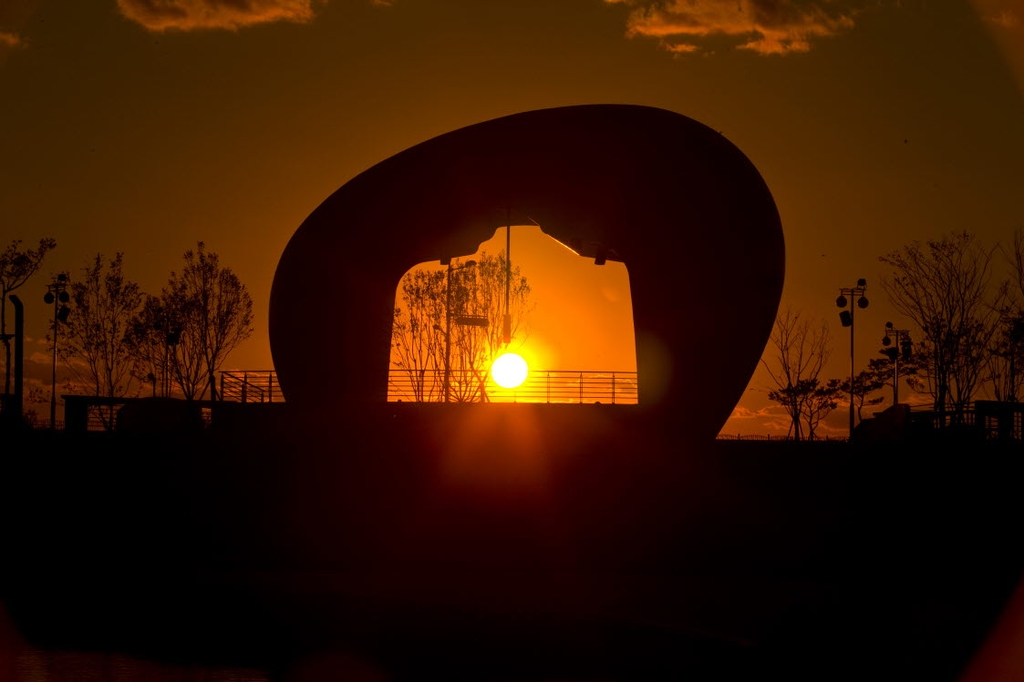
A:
(877, 377)
(97, 345)
(16, 267)
(801, 351)
(945, 287)
(865, 382)
(1006, 357)
(212, 312)
(822, 399)
(417, 336)
(469, 302)
(154, 332)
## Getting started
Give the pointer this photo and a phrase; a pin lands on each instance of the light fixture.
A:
(846, 319)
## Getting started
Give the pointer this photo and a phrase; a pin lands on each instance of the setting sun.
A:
(509, 370)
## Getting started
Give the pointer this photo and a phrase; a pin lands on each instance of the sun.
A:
(509, 370)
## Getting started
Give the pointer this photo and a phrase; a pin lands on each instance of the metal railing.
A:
(541, 386)
(250, 386)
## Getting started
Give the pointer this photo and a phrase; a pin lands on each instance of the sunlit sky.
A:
(144, 127)
(580, 316)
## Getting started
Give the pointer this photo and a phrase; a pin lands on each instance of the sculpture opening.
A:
(558, 325)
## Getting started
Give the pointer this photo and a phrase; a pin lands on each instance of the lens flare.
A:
(509, 370)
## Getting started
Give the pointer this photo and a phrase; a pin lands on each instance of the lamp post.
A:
(448, 325)
(846, 318)
(165, 325)
(57, 294)
(506, 320)
(894, 354)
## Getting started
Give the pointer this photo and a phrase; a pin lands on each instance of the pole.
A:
(896, 373)
(448, 333)
(19, 356)
(53, 372)
(506, 321)
(852, 309)
(856, 300)
(508, 259)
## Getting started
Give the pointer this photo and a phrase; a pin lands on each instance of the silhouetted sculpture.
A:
(11, 412)
(683, 208)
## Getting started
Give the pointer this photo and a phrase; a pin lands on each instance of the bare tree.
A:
(16, 267)
(1005, 360)
(867, 382)
(96, 345)
(1006, 353)
(153, 333)
(486, 299)
(820, 402)
(946, 288)
(458, 316)
(417, 336)
(214, 311)
(1015, 259)
(800, 353)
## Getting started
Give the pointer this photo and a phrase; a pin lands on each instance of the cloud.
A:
(742, 412)
(1004, 14)
(768, 420)
(762, 26)
(9, 39)
(1006, 18)
(187, 15)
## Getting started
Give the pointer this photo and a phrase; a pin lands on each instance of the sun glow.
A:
(577, 322)
(509, 370)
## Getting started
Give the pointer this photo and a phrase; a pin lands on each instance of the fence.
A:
(779, 437)
(541, 386)
(250, 386)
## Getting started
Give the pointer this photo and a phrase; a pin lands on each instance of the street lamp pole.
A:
(448, 326)
(846, 318)
(904, 343)
(56, 293)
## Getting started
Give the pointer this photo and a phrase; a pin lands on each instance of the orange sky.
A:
(581, 317)
(142, 130)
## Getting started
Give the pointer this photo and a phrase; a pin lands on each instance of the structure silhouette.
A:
(673, 199)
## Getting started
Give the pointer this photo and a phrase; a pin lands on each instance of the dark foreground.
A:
(519, 542)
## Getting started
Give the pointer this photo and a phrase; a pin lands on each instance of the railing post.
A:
(270, 386)
(613, 388)
(245, 386)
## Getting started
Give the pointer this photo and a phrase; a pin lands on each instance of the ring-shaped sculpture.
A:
(684, 209)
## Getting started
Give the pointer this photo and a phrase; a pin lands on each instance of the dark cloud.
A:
(187, 15)
(1004, 14)
(1005, 18)
(9, 40)
(761, 26)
